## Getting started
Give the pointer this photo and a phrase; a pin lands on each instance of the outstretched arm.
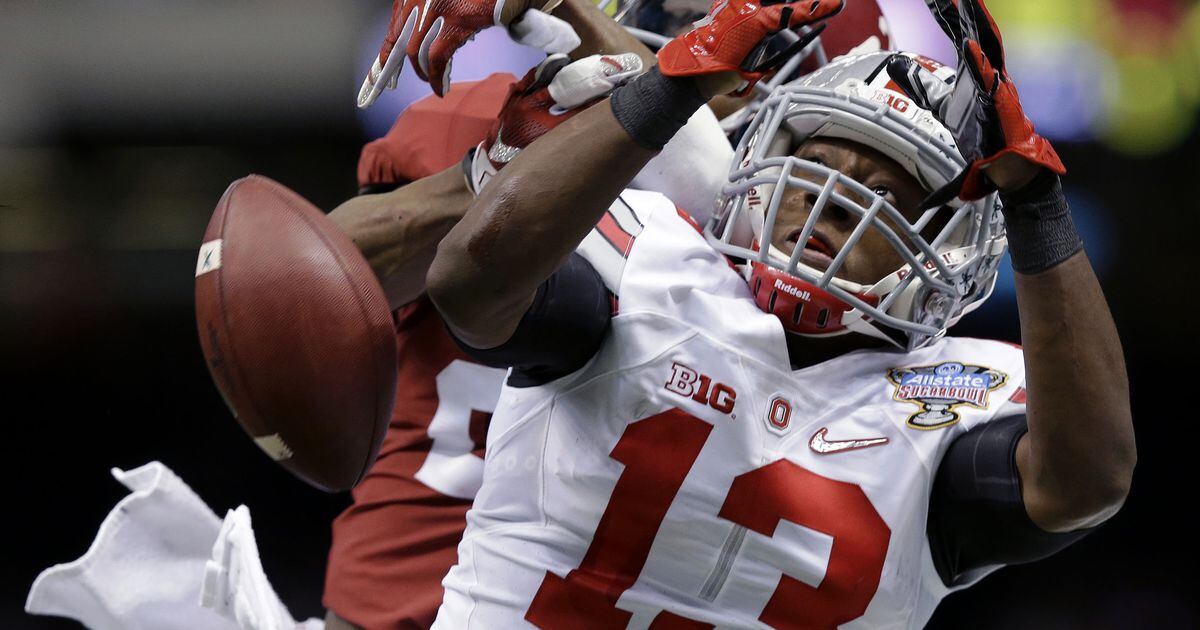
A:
(537, 210)
(1077, 460)
(526, 221)
(398, 231)
(523, 226)
(1021, 488)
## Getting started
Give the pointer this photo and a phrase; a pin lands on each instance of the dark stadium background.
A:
(121, 126)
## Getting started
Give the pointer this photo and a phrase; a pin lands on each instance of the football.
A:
(296, 332)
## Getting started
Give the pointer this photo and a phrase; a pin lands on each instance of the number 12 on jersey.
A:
(658, 452)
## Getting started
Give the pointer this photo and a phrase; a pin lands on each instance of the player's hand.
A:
(547, 96)
(428, 32)
(738, 36)
(981, 109)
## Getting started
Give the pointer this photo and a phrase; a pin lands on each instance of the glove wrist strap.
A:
(1041, 232)
(652, 108)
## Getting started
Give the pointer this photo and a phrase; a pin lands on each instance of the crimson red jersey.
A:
(393, 546)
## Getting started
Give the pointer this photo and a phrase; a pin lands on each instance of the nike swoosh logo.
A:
(821, 446)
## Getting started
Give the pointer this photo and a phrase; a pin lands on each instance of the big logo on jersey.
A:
(701, 388)
(938, 389)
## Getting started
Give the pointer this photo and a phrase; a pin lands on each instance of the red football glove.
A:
(736, 36)
(429, 32)
(547, 96)
(981, 109)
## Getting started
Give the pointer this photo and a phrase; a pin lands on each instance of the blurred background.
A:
(121, 123)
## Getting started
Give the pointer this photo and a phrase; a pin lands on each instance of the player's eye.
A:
(815, 160)
(882, 191)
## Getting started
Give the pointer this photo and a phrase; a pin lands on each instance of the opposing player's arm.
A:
(398, 231)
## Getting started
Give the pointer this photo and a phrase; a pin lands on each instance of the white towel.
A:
(235, 584)
(147, 565)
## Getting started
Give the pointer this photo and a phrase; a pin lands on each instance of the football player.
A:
(773, 429)
(401, 532)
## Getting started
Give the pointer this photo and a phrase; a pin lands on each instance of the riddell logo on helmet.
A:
(799, 294)
(701, 388)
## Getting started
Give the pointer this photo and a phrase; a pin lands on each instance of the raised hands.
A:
(428, 32)
(547, 96)
(981, 109)
(736, 36)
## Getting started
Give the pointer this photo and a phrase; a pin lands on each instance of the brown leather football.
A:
(296, 332)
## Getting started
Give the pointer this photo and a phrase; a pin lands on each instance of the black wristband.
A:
(652, 107)
(1041, 232)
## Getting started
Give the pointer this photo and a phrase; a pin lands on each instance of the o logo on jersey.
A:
(701, 388)
(779, 414)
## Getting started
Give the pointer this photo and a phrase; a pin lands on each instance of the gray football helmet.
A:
(944, 275)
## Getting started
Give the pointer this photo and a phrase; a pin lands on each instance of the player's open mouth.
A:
(818, 252)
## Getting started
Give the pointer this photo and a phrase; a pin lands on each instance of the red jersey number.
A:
(658, 452)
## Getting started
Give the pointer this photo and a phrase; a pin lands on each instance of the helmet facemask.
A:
(945, 272)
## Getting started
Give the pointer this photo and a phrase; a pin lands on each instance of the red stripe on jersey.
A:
(1019, 397)
(616, 235)
(690, 221)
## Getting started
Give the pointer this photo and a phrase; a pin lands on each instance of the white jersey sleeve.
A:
(608, 245)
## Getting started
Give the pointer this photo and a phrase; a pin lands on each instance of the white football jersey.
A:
(688, 477)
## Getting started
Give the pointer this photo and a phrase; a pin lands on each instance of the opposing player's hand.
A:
(739, 36)
(547, 96)
(981, 108)
(428, 32)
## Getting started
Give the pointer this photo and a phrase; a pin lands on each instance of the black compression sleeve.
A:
(977, 517)
(561, 330)
(652, 108)
(1041, 232)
